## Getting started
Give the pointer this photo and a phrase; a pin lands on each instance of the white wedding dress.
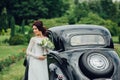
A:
(38, 69)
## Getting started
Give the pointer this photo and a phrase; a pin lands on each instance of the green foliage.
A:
(117, 18)
(112, 26)
(104, 8)
(22, 29)
(13, 72)
(55, 22)
(2, 32)
(95, 19)
(29, 9)
(25, 37)
(72, 19)
(4, 39)
(17, 29)
(92, 19)
(17, 39)
(10, 60)
(109, 10)
(6, 52)
(77, 13)
(95, 6)
(56, 8)
(28, 36)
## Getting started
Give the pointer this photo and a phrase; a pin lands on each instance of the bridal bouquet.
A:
(46, 43)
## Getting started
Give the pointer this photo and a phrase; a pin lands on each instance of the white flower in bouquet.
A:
(46, 43)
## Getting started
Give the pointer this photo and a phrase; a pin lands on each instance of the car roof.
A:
(59, 32)
(59, 29)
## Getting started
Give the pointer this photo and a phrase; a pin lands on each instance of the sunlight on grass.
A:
(117, 48)
(14, 72)
(6, 51)
(115, 39)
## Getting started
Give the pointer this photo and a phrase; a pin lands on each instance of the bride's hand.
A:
(42, 57)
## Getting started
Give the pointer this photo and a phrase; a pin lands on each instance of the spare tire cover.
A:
(96, 64)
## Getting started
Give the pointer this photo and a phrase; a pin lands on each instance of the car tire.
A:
(96, 64)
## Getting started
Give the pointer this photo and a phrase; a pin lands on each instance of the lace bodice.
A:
(34, 49)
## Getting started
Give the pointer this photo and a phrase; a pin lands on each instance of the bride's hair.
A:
(39, 25)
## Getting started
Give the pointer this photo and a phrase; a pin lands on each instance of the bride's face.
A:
(36, 31)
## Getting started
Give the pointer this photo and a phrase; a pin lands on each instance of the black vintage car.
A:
(82, 52)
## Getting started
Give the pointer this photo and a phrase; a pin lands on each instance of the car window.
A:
(87, 40)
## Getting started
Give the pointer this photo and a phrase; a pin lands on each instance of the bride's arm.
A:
(29, 49)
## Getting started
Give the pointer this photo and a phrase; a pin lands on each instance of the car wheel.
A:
(96, 64)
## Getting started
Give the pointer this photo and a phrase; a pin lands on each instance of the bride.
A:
(38, 69)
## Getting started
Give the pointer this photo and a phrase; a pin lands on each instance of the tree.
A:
(27, 9)
(95, 6)
(12, 25)
(23, 27)
(108, 9)
(80, 10)
(117, 16)
(56, 8)
(4, 20)
(36, 9)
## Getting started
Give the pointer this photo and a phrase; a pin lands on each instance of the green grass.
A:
(116, 44)
(115, 39)
(117, 48)
(14, 72)
(6, 51)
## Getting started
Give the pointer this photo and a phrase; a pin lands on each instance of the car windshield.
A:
(87, 40)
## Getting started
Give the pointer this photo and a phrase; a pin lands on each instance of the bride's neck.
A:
(40, 35)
